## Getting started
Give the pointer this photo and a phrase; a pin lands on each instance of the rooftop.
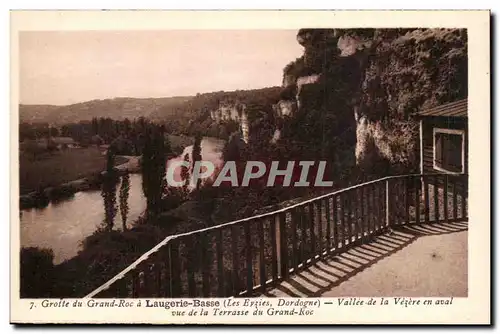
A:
(453, 109)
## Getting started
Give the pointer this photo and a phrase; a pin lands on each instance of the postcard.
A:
(250, 167)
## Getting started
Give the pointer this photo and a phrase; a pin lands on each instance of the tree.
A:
(153, 162)
(110, 160)
(54, 132)
(95, 126)
(232, 148)
(108, 191)
(124, 194)
(127, 127)
(197, 156)
(185, 175)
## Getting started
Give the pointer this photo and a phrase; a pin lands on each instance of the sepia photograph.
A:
(307, 162)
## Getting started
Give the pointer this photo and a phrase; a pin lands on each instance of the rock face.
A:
(285, 107)
(364, 85)
(228, 111)
(314, 94)
(411, 70)
(233, 112)
(302, 81)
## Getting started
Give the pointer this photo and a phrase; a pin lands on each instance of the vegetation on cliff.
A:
(371, 82)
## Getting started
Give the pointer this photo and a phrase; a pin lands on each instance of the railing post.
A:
(387, 201)
(248, 255)
(205, 265)
(309, 250)
(136, 284)
(296, 253)
(347, 214)
(175, 269)
(122, 289)
(335, 222)
(425, 190)
(379, 202)
(455, 200)
(158, 287)
(283, 245)
(262, 260)
(144, 272)
(406, 190)
(371, 208)
(220, 264)
(463, 192)
(236, 261)
(363, 213)
(319, 218)
(417, 199)
(276, 244)
(328, 226)
(436, 199)
(190, 245)
(445, 199)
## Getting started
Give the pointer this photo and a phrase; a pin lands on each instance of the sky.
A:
(65, 67)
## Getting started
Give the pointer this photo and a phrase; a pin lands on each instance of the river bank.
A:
(43, 197)
(85, 256)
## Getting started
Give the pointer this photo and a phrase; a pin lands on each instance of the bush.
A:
(37, 272)
(40, 198)
(62, 192)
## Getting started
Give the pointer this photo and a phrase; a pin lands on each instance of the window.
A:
(449, 150)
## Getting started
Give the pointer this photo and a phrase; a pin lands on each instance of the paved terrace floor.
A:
(415, 261)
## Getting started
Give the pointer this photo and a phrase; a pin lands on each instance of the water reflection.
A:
(63, 225)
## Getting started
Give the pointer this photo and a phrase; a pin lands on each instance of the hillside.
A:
(178, 110)
(117, 108)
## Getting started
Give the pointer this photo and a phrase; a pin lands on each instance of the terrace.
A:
(392, 236)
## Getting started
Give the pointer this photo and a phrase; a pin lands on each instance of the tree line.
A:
(127, 137)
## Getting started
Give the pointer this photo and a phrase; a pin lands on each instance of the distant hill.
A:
(117, 108)
(199, 105)
(156, 109)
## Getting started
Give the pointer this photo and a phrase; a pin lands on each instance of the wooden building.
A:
(443, 139)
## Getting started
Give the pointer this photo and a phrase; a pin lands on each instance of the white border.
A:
(475, 308)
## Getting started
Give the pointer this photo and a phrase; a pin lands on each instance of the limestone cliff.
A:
(232, 111)
(364, 85)
(219, 114)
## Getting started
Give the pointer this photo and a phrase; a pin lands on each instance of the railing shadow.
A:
(334, 270)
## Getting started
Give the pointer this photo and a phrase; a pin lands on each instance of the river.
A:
(64, 225)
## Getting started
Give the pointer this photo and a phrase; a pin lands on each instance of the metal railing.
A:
(247, 256)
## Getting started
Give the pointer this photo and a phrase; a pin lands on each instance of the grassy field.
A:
(53, 169)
